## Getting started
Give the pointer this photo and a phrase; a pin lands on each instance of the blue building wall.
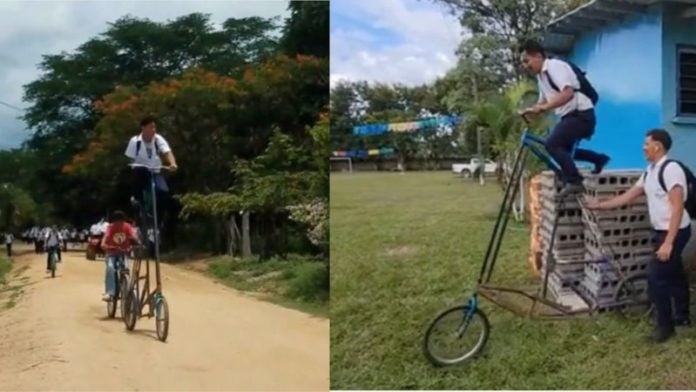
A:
(676, 31)
(624, 63)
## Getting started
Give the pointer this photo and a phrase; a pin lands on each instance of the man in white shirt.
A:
(672, 225)
(559, 89)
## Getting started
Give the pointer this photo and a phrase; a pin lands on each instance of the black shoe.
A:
(569, 189)
(599, 166)
(683, 323)
(660, 335)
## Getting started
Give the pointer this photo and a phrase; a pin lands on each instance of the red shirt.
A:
(118, 238)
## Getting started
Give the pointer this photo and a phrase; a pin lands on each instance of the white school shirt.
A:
(147, 154)
(562, 75)
(659, 208)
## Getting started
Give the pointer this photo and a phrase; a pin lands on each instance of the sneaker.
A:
(686, 323)
(598, 167)
(106, 297)
(569, 189)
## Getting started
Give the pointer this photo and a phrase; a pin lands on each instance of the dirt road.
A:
(57, 336)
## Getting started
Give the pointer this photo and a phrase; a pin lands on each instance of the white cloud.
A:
(429, 34)
(29, 30)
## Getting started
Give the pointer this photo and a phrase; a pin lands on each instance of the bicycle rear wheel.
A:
(53, 265)
(632, 293)
(455, 335)
(162, 317)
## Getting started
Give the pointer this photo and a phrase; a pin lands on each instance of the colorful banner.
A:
(363, 153)
(378, 129)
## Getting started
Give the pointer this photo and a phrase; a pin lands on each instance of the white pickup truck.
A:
(471, 165)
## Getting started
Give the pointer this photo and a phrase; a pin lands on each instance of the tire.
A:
(162, 318)
(123, 282)
(458, 312)
(112, 305)
(131, 308)
(465, 173)
(53, 265)
(636, 304)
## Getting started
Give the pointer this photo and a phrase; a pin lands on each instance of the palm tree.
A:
(497, 116)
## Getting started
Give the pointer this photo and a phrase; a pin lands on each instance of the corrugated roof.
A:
(562, 31)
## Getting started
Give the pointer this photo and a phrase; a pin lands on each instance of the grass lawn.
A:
(404, 247)
(295, 283)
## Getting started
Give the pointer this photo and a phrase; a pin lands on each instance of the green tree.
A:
(307, 30)
(131, 52)
(505, 22)
(17, 208)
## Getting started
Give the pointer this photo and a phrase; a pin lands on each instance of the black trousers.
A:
(141, 183)
(667, 281)
(572, 128)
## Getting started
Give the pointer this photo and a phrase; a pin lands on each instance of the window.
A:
(686, 80)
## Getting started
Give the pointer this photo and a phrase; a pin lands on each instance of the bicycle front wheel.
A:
(130, 308)
(162, 318)
(456, 335)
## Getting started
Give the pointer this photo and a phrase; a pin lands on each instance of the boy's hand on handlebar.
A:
(592, 203)
(536, 109)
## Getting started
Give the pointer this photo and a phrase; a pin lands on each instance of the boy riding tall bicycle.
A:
(146, 149)
(117, 242)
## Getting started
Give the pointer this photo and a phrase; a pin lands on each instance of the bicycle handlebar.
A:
(151, 168)
(524, 117)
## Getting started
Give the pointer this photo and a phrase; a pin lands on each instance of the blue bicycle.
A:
(138, 296)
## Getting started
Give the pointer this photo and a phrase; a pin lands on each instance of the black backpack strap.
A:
(575, 72)
(137, 147)
(661, 173)
(553, 85)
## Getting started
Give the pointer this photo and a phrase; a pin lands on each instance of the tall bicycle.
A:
(469, 328)
(139, 294)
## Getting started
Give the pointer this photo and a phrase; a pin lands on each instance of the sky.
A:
(29, 30)
(392, 41)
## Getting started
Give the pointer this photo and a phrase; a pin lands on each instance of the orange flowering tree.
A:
(214, 123)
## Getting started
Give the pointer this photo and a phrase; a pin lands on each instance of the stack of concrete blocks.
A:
(622, 235)
(569, 245)
(620, 238)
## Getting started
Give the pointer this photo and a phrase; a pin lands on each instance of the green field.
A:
(404, 247)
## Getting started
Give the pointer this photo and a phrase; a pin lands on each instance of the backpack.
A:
(139, 142)
(690, 203)
(585, 85)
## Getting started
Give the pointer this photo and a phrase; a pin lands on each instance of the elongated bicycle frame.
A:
(147, 297)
